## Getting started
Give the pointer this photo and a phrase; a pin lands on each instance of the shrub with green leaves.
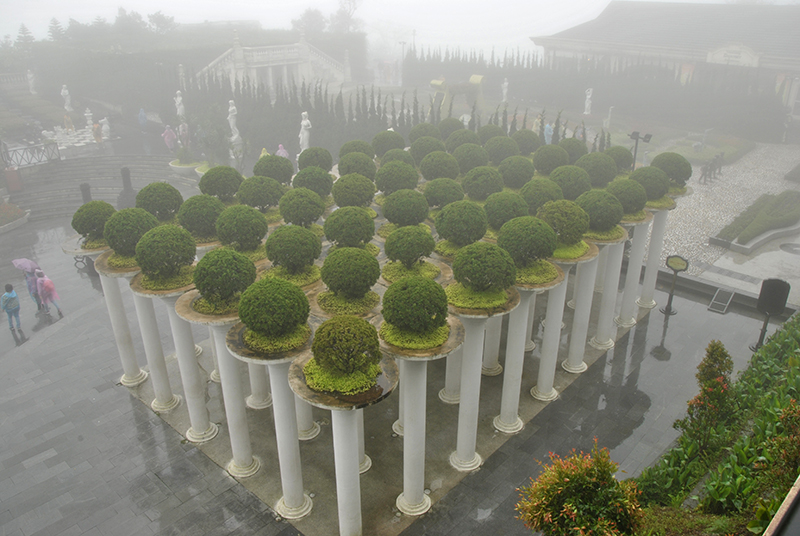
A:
(677, 168)
(449, 125)
(293, 247)
(440, 192)
(459, 137)
(356, 146)
(423, 129)
(487, 132)
(539, 191)
(572, 180)
(567, 219)
(221, 182)
(549, 157)
(499, 148)
(357, 162)
(315, 179)
(385, 141)
(350, 272)
(461, 222)
(160, 199)
(353, 190)
(503, 206)
(273, 307)
(222, 273)
(482, 266)
(164, 250)
(422, 147)
(415, 304)
(350, 227)
(241, 227)
(397, 154)
(527, 239)
(654, 181)
(469, 156)
(601, 168)
(527, 141)
(409, 245)
(301, 206)
(406, 207)
(575, 147)
(260, 192)
(199, 214)
(90, 219)
(395, 176)
(481, 182)
(276, 167)
(604, 210)
(125, 227)
(630, 193)
(346, 355)
(516, 171)
(317, 157)
(439, 164)
(622, 157)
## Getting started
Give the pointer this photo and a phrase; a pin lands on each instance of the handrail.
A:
(29, 156)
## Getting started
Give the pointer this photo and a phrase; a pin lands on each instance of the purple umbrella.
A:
(26, 265)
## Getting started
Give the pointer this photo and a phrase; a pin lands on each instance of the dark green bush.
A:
(317, 157)
(260, 192)
(356, 146)
(439, 164)
(90, 220)
(357, 162)
(601, 168)
(527, 141)
(406, 207)
(461, 222)
(241, 227)
(346, 344)
(604, 210)
(572, 180)
(397, 154)
(676, 167)
(481, 182)
(516, 171)
(273, 307)
(350, 227)
(423, 129)
(539, 191)
(164, 250)
(549, 157)
(781, 211)
(499, 148)
(575, 147)
(448, 126)
(301, 206)
(487, 132)
(415, 304)
(386, 141)
(160, 199)
(276, 167)
(350, 272)
(622, 157)
(353, 190)
(630, 193)
(422, 147)
(503, 206)
(222, 182)
(484, 267)
(440, 192)
(408, 245)
(315, 179)
(654, 180)
(459, 138)
(567, 219)
(222, 273)
(199, 214)
(395, 176)
(527, 239)
(124, 229)
(470, 155)
(293, 247)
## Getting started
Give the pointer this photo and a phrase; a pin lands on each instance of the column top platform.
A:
(623, 238)
(647, 219)
(139, 290)
(102, 267)
(593, 252)
(510, 304)
(663, 209)
(72, 246)
(236, 346)
(184, 309)
(541, 287)
(453, 343)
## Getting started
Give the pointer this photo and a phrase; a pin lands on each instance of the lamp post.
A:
(635, 136)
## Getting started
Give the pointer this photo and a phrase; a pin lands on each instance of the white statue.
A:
(67, 98)
(305, 132)
(105, 128)
(179, 105)
(232, 120)
(88, 115)
(607, 120)
(31, 82)
(587, 105)
(505, 89)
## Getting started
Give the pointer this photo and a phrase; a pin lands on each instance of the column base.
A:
(308, 434)
(465, 466)
(544, 324)
(601, 345)
(647, 304)
(571, 304)
(413, 509)
(133, 381)
(258, 403)
(546, 397)
(494, 371)
(173, 403)
(574, 370)
(625, 323)
(397, 427)
(447, 398)
(506, 428)
(365, 465)
(202, 437)
(530, 346)
(243, 472)
(214, 376)
(197, 350)
(288, 512)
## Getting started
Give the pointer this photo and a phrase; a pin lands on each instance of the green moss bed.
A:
(121, 262)
(333, 304)
(572, 251)
(333, 382)
(536, 273)
(676, 190)
(414, 341)
(460, 296)
(371, 248)
(273, 215)
(305, 277)
(491, 234)
(216, 307)
(317, 230)
(615, 233)
(635, 216)
(380, 199)
(204, 239)
(665, 202)
(387, 228)
(255, 255)
(445, 248)
(94, 244)
(181, 279)
(272, 345)
(394, 271)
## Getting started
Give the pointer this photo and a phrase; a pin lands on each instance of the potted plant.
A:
(276, 167)
(549, 157)
(572, 180)
(481, 182)
(397, 154)
(357, 162)
(605, 212)
(570, 222)
(677, 168)
(538, 191)
(356, 146)
(601, 168)
(424, 145)
(198, 215)
(292, 250)
(315, 179)
(439, 164)
(461, 137)
(221, 182)
(516, 171)
(415, 314)
(89, 221)
(656, 184)
(349, 227)
(527, 140)
(186, 162)
(165, 255)
(220, 278)
(122, 232)
(469, 155)
(263, 194)
(459, 224)
(632, 196)
(396, 175)
(403, 208)
(483, 274)
(530, 242)
(349, 274)
(354, 190)
(316, 157)
(441, 192)
(301, 206)
(276, 315)
(499, 148)
(406, 249)
(387, 140)
(501, 207)
(160, 199)
(243, 229)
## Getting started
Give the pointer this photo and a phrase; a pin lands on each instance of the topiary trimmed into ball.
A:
(124, 229)
(350, 272)
(223, 182)
(241, 227)
(315, 179)
(160, 199)
(439, 164)
(575, 147)
(500, 148)
(567, 219)
(516, 171)
(356, 146)
(676, 167)
(469, 156)
(386, 141)
(527, 141)
(395, 176)
(461, 222)
(415, 304)
(549, 157)
(539, 191)
(459, 137)
(527, 239)
(654, 180)
(276, 167)
(273, 307)
(449, 125)
(260, 192)
(484, 267)
(572, 180)
(346, 345)
(601, 168)
(440, 192)
(408, 245)
(604, 210)
(622, 157)
(350, 227)
(397, 154)
(422, 147)
(293, 247)
(482, 182)
(405, 207)
(504, 206)
(301, 206)
(353, 190)
(630, 193)
(423, 129)
(222, 273)
(317, 157)
(164, 250)
(357, 162)
(199, 214)
(487, 132)
(90, 219)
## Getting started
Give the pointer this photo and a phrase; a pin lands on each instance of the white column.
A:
(580, 321)
(364, 461)
(604, 338)
(306, 427)
(259, 387)
(397, 426)
(508, 421)
(575, 285)
(627, 312)
(653, 260)
(413, 500)
(165, 400)
(348, 485)
(529, 344)
(214, 376)
(543, 390)
(465, 458)
(602, 260)
(491, 347)
(132, 374)
(451, 394)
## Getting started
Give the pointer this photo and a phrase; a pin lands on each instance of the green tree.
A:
(160, 23)
(311, 22)
(24, 38)
(55, 31)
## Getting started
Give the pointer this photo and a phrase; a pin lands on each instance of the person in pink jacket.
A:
(47, 292)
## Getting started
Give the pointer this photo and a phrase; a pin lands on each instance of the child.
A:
(10, 304)
(47, 292)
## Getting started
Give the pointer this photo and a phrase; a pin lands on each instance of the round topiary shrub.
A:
(459, 138)
(415, 304)
(160, 199)
(397, 154)
(293, 247)
(350, 272)
(469, 156)
(124, 229)
(357, 162)
(222, 182)
(199, 214)
(346, 356)
(461, 222)
(487, 132)
(484, 267)
(301, 206)
(539, 191)
(572, 180)
(405, 207)
(549, 157)
(504, 206)
(222, 273)
(527, 141)
(409, 245)
(482, 182)
(356, 146)
(574, 147)
(90, 219)
(315, 179)
(395, 176)
(423, 129)
(676, 167)
(527, 239)
(276, 167)
(164, 250)
(516, 171)
(601, 168)
(567, 219)
(604, 210)
(622, 157)
(439, 164)
(499, 148)
(317, 157)
(386, 141)
(273, 307)
(353, 190)
(422, 147)
(654, 180)
(260, 192)
(349, 227)
(241, 227)
(440, 192)
(630, 193)
(449, 125)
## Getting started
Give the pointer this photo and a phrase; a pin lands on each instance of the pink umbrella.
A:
(26, 265)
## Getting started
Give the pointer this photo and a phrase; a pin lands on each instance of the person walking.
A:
(47, 293)
(10, 304)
